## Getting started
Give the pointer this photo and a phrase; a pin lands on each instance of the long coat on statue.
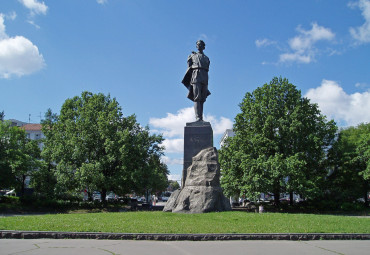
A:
(193, 63)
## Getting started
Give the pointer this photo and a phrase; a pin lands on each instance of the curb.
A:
(4, 234)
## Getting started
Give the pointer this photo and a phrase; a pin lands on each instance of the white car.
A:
(10, 193)
(110, 197)
(96, 196)
(165, 199)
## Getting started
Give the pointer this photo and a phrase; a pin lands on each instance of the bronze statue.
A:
(196, 79)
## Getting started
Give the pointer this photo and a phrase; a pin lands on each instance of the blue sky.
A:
(137, 51)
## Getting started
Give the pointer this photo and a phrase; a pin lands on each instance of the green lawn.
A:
(159, 222)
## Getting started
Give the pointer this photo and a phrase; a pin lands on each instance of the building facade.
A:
(34, 132)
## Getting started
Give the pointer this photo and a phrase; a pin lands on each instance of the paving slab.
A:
(113, 247)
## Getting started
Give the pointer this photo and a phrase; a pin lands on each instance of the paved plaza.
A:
(106, 247)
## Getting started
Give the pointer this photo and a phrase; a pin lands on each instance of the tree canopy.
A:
(173, 185)
(280, 144)
(350, 157)
(95, 147)
(19, 157)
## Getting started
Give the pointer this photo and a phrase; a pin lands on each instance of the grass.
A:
(160, 222)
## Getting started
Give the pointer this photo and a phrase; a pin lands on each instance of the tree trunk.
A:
(89, 196)
(48, 180)
(277, 198)
(23, 183)
(291, 200)
(365, 194)
(147, 196)
(366, 200)
(103, 195)
(277, 193)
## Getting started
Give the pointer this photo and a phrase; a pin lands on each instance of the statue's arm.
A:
(190, 59)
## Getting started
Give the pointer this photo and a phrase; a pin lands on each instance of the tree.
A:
(95, 148)
(350, 157)
(280, 144)
(148, 174)
(19, 156)
(173, 185)
(44, 181)
(363, 153)
(6, 177)
(25, 162)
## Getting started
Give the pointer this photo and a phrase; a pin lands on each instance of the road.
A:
(112, 247)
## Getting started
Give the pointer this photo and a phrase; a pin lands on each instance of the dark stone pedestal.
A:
(197, 137)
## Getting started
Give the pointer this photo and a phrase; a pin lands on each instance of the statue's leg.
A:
(203, 89)
(198, 109)
(198, 106)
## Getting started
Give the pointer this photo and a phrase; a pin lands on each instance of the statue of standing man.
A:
(196, 79)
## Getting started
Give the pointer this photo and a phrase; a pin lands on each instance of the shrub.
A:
(346, 206)
(9, 200)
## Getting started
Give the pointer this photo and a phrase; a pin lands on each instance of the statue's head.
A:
(201, 45)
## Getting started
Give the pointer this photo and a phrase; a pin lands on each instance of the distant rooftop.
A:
(17, 123)
(32, 127)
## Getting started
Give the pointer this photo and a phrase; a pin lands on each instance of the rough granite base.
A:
(202, 191)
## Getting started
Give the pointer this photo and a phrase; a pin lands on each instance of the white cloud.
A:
(295, 57)
(219, 126)
(12, 15)
(18, 55)
(264, 42)
(362, 85)
(362, 34)
(101, 1)
(174, 177)
(35, 7)
(33, 24)
(303, 45)
(172, 161)
(334, 102)
(3, 34)
(173, 124)
(174, 145)
(172, 127)
(203, 37)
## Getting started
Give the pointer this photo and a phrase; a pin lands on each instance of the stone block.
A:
(197, 136)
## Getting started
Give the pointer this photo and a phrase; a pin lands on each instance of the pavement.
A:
(115, 247)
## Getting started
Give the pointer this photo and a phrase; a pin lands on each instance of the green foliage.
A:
(346, 206)
(363, 153)
(92, 146)
(19, 156)
(279, 145)
(9, 200)
(173, 185)
(160, 222)
(6, 176)
(44, 180)
(350, 159)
